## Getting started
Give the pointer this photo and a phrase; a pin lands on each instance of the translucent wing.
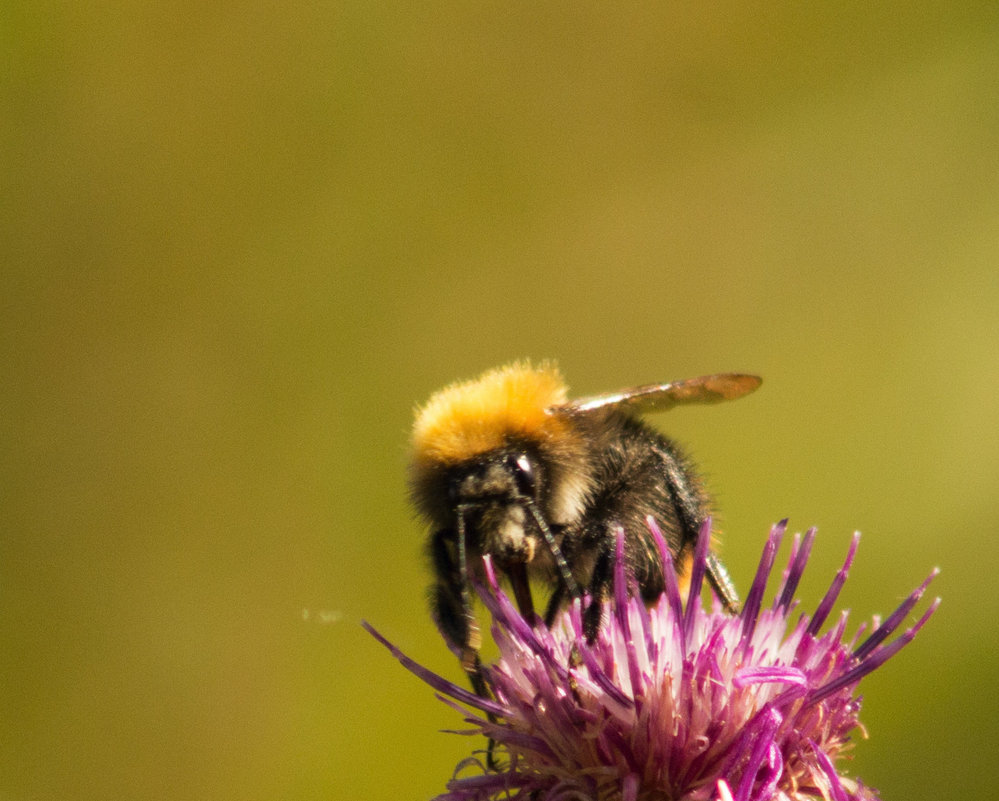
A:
(660, 397)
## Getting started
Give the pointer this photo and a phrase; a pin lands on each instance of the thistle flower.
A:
(674, 701)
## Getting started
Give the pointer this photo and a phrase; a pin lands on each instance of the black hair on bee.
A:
(506, 465)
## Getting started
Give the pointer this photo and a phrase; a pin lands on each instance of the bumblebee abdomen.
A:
(638, 473)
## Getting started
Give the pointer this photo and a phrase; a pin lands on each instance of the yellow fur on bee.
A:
(472, 417)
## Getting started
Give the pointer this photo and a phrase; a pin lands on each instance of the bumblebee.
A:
(507, 465)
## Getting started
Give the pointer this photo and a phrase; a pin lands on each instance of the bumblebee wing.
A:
(660, 397)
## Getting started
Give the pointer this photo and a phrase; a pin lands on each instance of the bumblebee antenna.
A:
(563, 567)
(466, 598)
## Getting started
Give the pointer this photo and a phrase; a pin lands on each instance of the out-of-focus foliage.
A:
(238, 243)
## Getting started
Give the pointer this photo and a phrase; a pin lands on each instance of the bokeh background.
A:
(240, 241)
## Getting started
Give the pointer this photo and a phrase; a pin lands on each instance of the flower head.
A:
(674, 701)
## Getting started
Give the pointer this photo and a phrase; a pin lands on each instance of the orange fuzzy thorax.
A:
(473, 417)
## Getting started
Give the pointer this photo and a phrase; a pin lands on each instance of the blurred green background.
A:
(240, 241)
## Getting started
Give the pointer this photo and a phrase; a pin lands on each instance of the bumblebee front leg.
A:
(451, 610)
(599, 587)
(450, 606)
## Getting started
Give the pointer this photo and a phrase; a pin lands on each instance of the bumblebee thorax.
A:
(471, 418)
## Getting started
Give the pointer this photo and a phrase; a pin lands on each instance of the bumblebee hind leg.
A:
(721, 583)
(690, 507)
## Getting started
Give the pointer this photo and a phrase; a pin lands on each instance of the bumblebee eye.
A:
(523, 474)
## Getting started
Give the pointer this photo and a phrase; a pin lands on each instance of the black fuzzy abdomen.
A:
(639, 473)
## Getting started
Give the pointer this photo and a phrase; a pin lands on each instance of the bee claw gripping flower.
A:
(674, 702)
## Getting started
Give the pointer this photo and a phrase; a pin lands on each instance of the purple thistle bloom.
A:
(673, 702)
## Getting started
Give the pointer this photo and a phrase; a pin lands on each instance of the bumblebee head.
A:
(494, 441)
